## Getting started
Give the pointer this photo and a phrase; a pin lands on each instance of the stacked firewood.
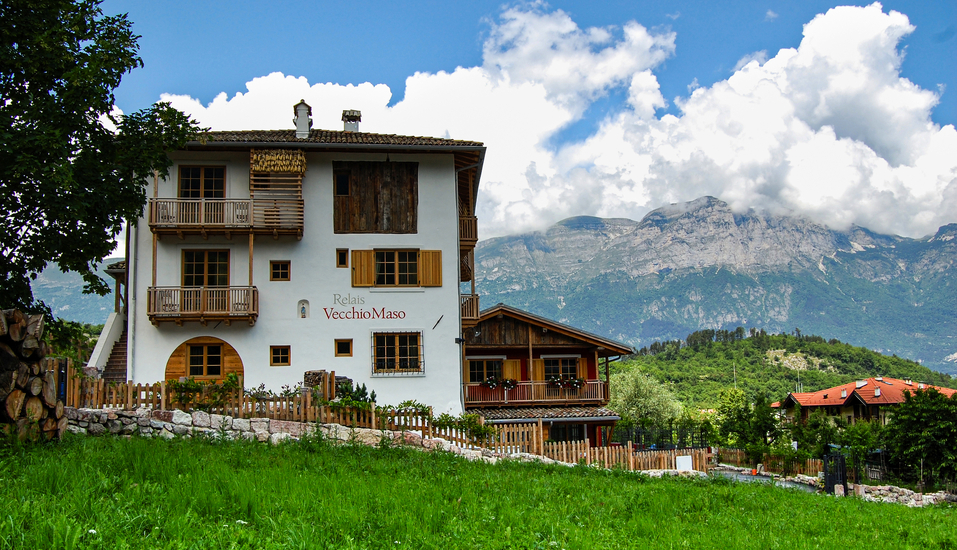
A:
(29, 406)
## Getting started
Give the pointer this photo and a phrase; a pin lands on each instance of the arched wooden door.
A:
(203, 358)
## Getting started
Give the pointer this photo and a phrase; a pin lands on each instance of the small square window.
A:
(279, 270)
(279, 356)
(342, 184)
(344, 348)
(342, 257)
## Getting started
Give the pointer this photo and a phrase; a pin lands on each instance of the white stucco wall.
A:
(433, 311)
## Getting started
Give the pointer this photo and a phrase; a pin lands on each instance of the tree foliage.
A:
(921, 437)
(642, 400)
(67, 182)
(709, 361)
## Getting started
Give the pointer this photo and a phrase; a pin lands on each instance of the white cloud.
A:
(828, 129)
(760, 57)
(770, 16)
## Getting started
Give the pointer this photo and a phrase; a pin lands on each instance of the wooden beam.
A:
(251, 237)
(128, 264)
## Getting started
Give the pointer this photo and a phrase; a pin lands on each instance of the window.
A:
(342, 257)
(206, 360)
(561, 368)
(390, 268)
(397, 268)
(279, 356)
(279, 271)
(341, 183)
(375, 197)
(397, 353)
(566, 432)
(202, 182)
(483, 369)
(205, 268)
(344, 348)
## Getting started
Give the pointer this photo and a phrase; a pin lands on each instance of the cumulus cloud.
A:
(828, 129)
(770, 15)
(760, 57)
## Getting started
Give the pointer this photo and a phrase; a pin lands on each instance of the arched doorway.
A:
(203, 358)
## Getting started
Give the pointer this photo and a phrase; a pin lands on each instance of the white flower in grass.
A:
(241, 522)
(92, 531)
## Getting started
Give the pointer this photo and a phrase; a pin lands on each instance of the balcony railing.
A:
(470, 310)
(203, 304)
(468, 232)
(593, 392)
(224, 215)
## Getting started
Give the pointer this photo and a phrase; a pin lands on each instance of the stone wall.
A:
(168, 424)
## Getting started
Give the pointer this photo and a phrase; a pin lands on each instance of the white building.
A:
(270, 253)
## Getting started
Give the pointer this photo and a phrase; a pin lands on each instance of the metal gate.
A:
(835, 472)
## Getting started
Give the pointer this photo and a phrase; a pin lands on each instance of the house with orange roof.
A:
(872, 399)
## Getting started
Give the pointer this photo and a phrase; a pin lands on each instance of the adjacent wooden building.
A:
(520, 367)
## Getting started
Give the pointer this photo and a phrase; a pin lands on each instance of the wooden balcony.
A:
(468, 232)
(594, 392)
(225, 216)
(203, 304)
(470, 310)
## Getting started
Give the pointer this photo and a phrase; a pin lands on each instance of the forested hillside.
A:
(707, 361)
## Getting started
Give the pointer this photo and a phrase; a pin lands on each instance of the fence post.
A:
(373, 416)
(429, 422)
(541, 437)
(587, 453)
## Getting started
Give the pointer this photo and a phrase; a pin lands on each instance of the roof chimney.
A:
(303, 120)
(843, 393)
(877, 392)
(351, 119)
(861, 383)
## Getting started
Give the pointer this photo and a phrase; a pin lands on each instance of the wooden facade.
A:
(523, 343)
(177, 366)
(375, 197)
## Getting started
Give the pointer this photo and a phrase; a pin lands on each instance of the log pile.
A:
(29, 407)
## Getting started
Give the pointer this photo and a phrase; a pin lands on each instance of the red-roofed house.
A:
(869, 399)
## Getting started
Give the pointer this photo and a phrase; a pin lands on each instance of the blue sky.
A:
(199, 50)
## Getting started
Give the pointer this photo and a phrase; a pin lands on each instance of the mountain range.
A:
(700, 265)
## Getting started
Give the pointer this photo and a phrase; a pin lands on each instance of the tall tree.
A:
(640, 399)
(922, 436)
(67, 182)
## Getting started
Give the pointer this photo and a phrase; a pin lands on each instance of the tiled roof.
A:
(892, 392)
(332, 137)
(118, 266)
(545, 413)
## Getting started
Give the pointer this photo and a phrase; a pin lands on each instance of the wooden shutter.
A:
(582, 368)
(538, 370)
(512, 368)
(430, 267)
(363, 267)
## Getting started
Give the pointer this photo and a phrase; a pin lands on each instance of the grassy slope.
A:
(192, 494)
(698, 375)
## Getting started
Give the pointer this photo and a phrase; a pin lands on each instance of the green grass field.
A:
(114, 493)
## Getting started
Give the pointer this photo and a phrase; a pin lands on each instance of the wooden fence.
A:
(624, 457)
(525, 437)
(773, 463)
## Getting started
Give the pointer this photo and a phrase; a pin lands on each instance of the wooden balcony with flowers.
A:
(557, 391)
(203, 304)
